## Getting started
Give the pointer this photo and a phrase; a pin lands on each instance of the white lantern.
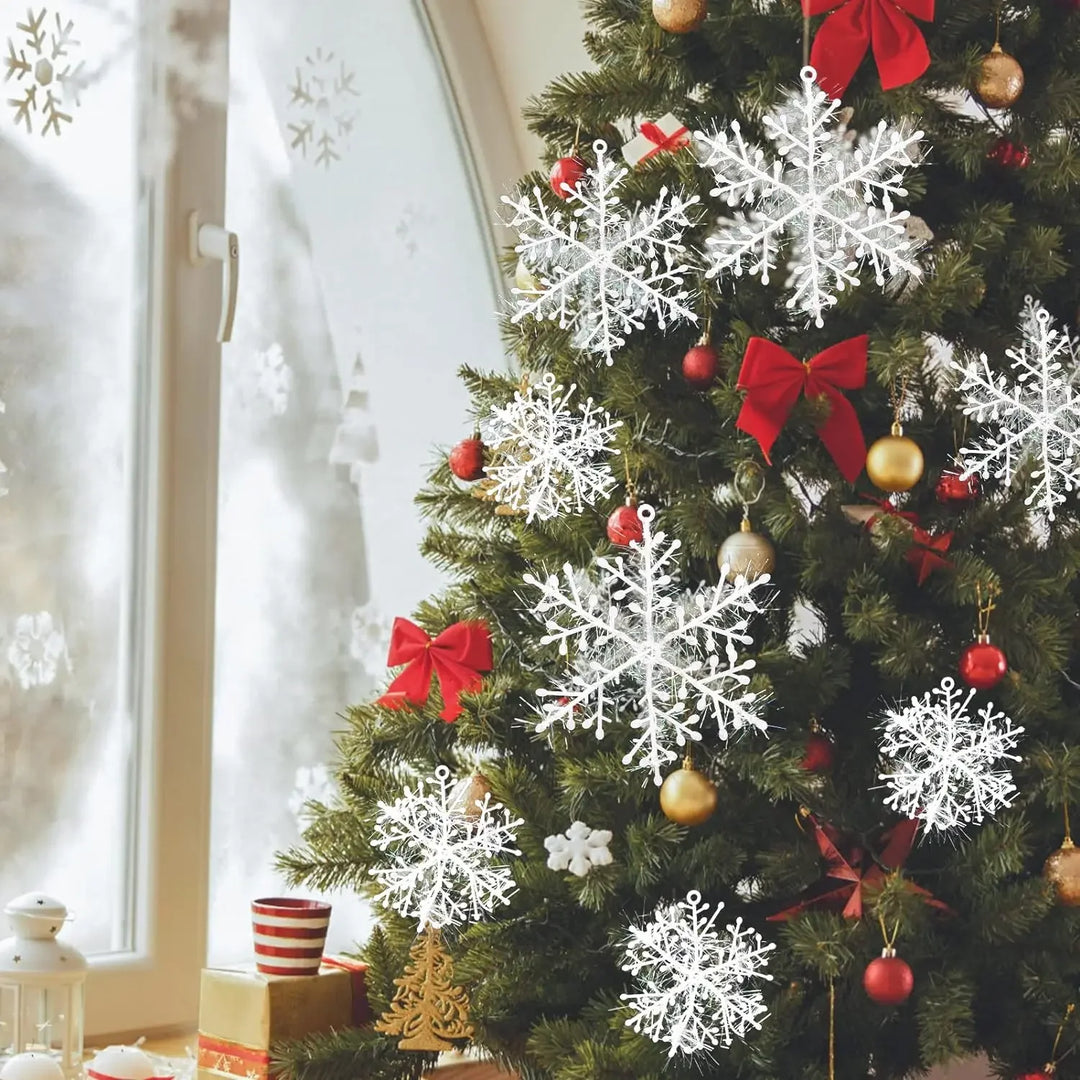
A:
(41, 985)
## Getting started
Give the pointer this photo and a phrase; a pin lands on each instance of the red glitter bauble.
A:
(888, 980)
(983, 664)
(1009, 154)
(952, 490)
(467, 459)
(624, 525)
(566, 173)
(819, 753)
(699, 366)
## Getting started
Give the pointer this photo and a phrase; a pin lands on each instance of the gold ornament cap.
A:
(1001, 79)
(679, 16)
(687, 796)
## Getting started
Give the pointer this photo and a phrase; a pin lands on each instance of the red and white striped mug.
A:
(289, 935)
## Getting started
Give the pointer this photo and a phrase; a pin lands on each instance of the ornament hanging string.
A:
(706, 332)
(1052, 1064)
(985, 607)
(890, 942)
(832, 1029)
(749, 484)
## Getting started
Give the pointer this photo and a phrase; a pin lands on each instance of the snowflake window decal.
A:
(545, 453)
(603, 268)
(38, 650)
(1034, 411)
(443, 867)
(824, 202)
(946, 764)
(321, 99)
(697, 988)
(40, 64)
(644, 646)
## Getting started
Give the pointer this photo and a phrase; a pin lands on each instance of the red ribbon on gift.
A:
(857, 870)
(773, 380)
(856, 25)
(361, 1009)
(456, 657)
(926, 552)
(661, 142)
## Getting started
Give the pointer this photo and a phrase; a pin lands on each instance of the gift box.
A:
(667, 133)
(243, 1012)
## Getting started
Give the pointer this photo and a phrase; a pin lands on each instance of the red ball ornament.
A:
(467, 459)
(699, 366)
(624, 525)
(819, 753)
(1043, 1074)
(953, 490)
(983, 664)
(1009, 154)
(888, 980)
(566, 174)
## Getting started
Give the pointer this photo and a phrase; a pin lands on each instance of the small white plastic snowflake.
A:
(50, 86)
(1033, 413)
(818, 202)
(313, 783)
(545, 453)
(38, 649)
(947, 764)
(444, 867)
(603, 267)
(322, 99)
(645, 646)
(697, 988)
(578, 849)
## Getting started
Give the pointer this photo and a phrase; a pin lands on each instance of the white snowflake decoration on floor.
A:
(697, 988)
(1033, 412)
(946, 763)
(579, 849)
(643, 645)
(313, 783)
(443, 867)
(547, 457)
(322, 100)
(603, 267)
(38, 650)
(825, 203)
(40, 64)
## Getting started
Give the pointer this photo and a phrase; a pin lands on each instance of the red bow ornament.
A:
(773, 380)
(926, 553)
(456, 657)
(857, 25)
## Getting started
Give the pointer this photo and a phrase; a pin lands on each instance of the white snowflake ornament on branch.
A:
(826, 203)
(444, 867)
(579, 849)
(697, 988)
(603, 267)
(50, 85)
(946, 764)
(644, 646)
(1033, 412)
(547, 458)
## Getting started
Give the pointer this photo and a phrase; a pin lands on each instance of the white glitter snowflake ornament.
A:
(603, 267)
(443, 867)
(1032, 412)
(697, 988)
(322, 99)
(547, 457)
(39, 61)
(644, 647)
(824, 206)
(578, 849)
(947, 764)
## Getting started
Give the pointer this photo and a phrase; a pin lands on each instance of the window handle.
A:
(206, 241)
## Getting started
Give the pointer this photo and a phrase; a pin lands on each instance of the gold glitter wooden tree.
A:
(428, 1009)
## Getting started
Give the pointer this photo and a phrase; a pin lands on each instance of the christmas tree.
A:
(735, 747)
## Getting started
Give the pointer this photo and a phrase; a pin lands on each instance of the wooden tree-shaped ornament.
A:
(428, 1009)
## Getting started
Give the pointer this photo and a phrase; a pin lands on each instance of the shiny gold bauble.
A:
(894, 462)
(680, 16)
(1001, 79)
(688, 797)
(747, 553)
(1062, 870)
(526, 280)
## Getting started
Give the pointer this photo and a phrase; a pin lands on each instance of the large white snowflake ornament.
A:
(825, 205)
(579, 849)
(322, 99)
(443, 867)
(39, 61)
(603, 267)
(645, 647)
(1032, 412)
(947, 764)
(697, 988)
(549, 458)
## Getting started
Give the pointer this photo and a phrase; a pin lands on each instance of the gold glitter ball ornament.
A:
(1001, 79)
(680, 16)
(747, 553)
(1062, 870)
(687, 796)
(894, 462)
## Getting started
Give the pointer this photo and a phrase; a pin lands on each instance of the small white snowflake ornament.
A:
(443, 867)
(662, 656)
(948, 767)
(1032, 413)
(824, 205)
(39, 60)
(603, 267)
(547, 457)
(696, 988)
(578, 849)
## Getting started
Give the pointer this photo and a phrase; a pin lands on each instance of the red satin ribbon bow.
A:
(456, 657)
(773, 380)
(887, 510)
(926, 552)
(856, 25)
(679, 138)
